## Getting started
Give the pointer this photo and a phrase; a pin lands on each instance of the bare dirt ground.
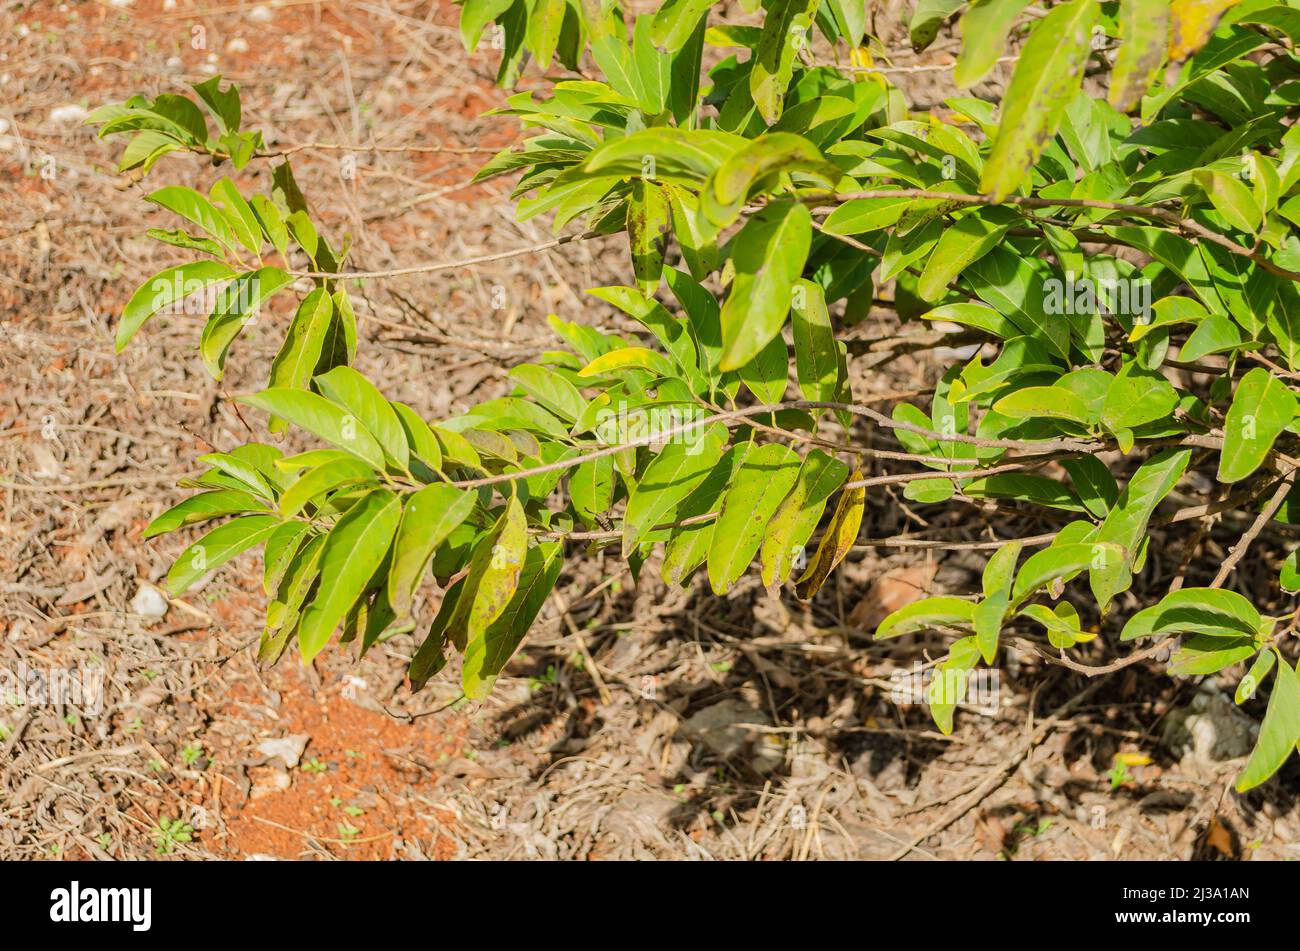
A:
(637, 721)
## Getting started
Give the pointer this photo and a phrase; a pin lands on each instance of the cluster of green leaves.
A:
(175, 123)
(766, 203)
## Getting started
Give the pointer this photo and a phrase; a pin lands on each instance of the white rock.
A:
(1209, 730)
(237, 45)
(149, 602)
(69, 113)
(46, 465)
(288, 748)
(259, 14)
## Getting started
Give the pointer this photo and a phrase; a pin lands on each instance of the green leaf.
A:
(216, 548)
(1061, 621)
(315, 482)
(298, 580)
(647, 232)
(786, 22)
(1051, 402)
(493, 576)
(816, 358)
(243, 222)
(1261, 408)
(238, 302)
(757, 167)
(1207, 611)
(164, 290)
(354, 548)
(999, 573)
(688, 545)
(420, 437)
(591, 487)
(1215, 334)
(984, 30)
(927, 18)
(685, 156)
(653, 69)
(766, 475)
(1200, 655)
(1047, 76)
(1231, 199)
(1137, 396)
(486, 656)
(224, 104)
(431, 656)
(1278, 733)
(767, 375)
(975, 315)
(926, 614)
(349, 389)
(194, 207)
(272, 223)
(675, 22)
(1289, 574)
(1008, 283)
(850, 19)
(1093, 483)
(1062, 561)
(1143, 35)
(278, 554)
(669, 478)
(475, 15)
(638, 357)
(962, 243)
(1040, 490)
(321, 417)
(303, 345)
(670, 331)
(547, 16)
(769, 255)
(861, 215)
(428, 517)
(201, 507)
(948, 685)
(550, 389)
(1256, 676)
(1126, 524)
(695, 238)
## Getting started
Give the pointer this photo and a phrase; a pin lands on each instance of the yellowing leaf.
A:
(1191, 22)
(837, 541)
(628, 357)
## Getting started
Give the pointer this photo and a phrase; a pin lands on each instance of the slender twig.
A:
(1265, 516)
(451, 265)
(341, 147)
(1165, 215)
(738, 415)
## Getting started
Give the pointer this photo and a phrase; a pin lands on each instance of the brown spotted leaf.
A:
(1144, 31)
(1047, 77)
